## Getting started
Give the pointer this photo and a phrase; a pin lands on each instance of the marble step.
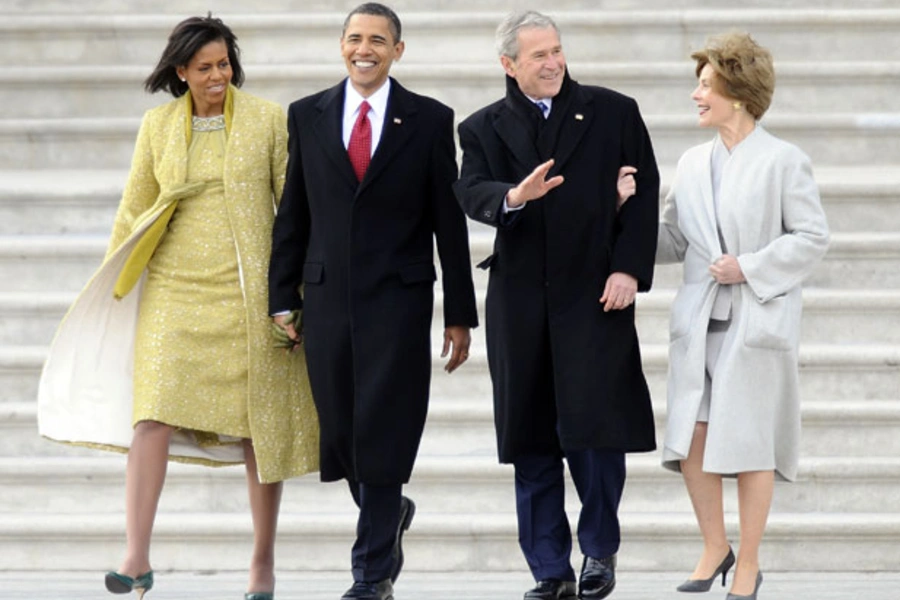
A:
(34, 202)
(814, 541)
(43, 263)
(854, 261)
(462, 426)
(440, 484)
(463, 35)
(659, 87)
(108, 143)
(857, 428)
(829, 316)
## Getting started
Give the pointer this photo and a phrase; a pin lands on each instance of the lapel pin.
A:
(579, 117)
(397, 120)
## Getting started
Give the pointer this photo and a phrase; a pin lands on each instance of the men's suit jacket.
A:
(363, 252)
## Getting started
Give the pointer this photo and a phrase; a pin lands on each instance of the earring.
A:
(737, 106)
(183, 80)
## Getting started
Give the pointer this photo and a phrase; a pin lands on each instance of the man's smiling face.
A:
(369, 49)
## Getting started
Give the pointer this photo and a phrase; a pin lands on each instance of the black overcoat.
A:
(363, 252)
(566, 375)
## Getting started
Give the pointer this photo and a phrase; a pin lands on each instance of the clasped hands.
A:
(287, 329)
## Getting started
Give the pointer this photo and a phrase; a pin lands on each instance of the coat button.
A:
(487, 214)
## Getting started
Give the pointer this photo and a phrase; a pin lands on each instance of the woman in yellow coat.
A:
(188, 259)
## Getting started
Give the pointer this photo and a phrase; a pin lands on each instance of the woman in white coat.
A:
(743, 215)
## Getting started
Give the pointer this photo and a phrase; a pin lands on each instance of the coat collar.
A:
(399, 125)
(723, 220)
(510, 121)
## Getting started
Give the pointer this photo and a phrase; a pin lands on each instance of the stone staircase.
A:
(70, 105)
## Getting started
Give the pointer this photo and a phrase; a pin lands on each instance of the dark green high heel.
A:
(259, 596)
(123, 584)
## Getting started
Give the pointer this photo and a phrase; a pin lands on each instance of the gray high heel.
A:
(703, 585)
(752, 596)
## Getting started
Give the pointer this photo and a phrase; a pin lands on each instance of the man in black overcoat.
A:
(359, 240)
(541, 165)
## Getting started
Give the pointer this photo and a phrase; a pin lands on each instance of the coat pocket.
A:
(684, 309)
(418, 273)
(313, 273)
(774, 325)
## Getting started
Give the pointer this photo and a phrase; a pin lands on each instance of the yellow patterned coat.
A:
(85, 394)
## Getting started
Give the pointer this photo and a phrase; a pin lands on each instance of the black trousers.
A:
(376, 530)
(544, 532)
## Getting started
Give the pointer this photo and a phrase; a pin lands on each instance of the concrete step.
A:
(858, 428)
(465, 35)
(445, 542)
(57, 202)
(854, 261)
(108, 143)
(830, 316)
(832, 372)
(440, 484)
(659, 87)
(464, 428)
(35, 202)
(38, 263)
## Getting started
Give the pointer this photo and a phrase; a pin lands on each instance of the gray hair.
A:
(507, 35)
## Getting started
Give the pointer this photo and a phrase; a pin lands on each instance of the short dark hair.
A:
(378, 10)
(185, 41)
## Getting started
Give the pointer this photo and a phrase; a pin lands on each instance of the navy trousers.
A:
(544, 532)
(376, 530)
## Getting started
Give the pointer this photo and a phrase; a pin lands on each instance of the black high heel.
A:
(123, 584)
(752, 596)
(259, 596)
(703, 585)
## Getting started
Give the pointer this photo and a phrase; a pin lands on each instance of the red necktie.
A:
(360, 148)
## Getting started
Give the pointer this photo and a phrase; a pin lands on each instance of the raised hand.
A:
(534, 186)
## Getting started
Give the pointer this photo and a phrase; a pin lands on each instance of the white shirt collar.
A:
(547, 101)
(377, 101)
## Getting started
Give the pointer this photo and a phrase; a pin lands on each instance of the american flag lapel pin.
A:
(397, 120)
(579, 117)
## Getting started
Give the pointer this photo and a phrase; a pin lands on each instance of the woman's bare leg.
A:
(705, 491)
(145, 475)
(265, 500)
(755, 489)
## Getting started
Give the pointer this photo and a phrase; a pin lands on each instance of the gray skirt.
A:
(715, 335)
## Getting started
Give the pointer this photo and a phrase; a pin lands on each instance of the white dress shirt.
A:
(377, 109)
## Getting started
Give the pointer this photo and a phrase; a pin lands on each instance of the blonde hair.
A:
(744, 70)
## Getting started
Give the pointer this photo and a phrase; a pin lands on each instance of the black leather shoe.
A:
(551, 589)
(407, 512)
(362, 590)
(598, 577)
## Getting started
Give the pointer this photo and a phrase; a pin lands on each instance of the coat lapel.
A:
(576, 123)
(516, 137)
(710, 229)
(328, 127)
(399, 125)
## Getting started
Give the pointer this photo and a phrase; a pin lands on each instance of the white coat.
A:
(772, 221)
